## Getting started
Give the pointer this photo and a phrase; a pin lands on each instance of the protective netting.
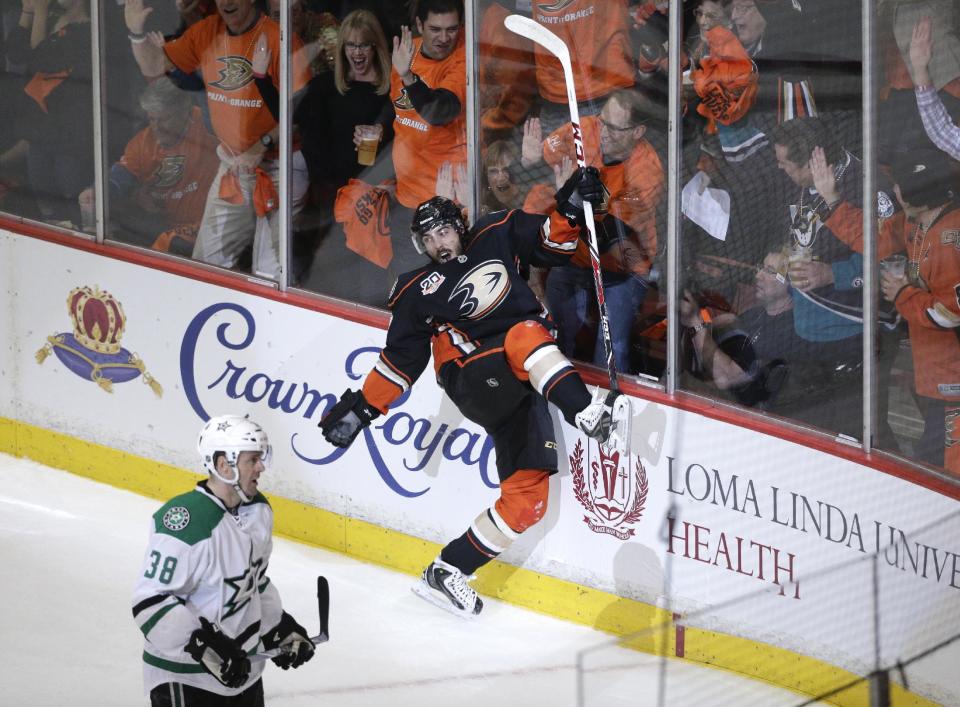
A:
(861, 623)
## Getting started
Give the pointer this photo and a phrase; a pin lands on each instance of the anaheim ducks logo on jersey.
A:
(482, 289)
(555, 6)
(169, 172)
(235, 73)
(403, 101)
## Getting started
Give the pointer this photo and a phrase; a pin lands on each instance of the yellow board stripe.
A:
(515, 585)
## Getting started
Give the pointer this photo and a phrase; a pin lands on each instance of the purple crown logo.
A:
(93, 350)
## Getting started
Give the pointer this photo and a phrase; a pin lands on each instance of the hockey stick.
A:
(526, 27)
(323, 608)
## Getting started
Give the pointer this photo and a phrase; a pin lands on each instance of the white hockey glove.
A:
(291, 638)
(220, 655)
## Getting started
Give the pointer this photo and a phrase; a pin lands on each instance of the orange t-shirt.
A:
(238, 112)
(596, 32)
(635, 186)
(419, 149)
(175, 179)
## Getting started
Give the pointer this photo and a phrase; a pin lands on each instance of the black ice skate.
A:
(608, 422)
(446, 586)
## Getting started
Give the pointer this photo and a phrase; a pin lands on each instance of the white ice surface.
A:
(70, 549)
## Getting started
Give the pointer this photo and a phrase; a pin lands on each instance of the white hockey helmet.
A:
(231, 434)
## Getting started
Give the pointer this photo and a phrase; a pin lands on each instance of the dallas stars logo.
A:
(176, 518)
(236, 73)
(241, 587)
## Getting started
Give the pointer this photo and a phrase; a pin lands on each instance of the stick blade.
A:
(535, 32)
(323, 608)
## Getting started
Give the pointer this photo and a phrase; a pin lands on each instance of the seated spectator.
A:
(228, 48)
(159, 186)
(937, 123)
(758, 357)
(626, 224)
(338, 106)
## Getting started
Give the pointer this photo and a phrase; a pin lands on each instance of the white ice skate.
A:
(608, 422)
(445, 586)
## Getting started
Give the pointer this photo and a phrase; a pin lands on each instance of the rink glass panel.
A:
(45, 184)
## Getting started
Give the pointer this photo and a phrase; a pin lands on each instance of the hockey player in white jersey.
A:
(203, 600)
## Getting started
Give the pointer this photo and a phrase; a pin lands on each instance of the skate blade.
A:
(441, 601)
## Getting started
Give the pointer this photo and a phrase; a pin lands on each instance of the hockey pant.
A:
(175, 694)
(497, 388)
(526, 357)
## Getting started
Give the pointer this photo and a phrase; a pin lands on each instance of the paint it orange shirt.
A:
(175, 179)
(419, 149)
(238, 112)
(635, 189)
(597, 34)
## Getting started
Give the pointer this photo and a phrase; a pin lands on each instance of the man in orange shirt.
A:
(428, 87)
(614, 143)
(242, 204)
(159, 185)
(597, 33)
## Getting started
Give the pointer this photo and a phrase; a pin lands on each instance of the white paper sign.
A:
(706, 206)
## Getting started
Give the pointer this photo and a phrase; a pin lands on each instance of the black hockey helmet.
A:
(438, 211)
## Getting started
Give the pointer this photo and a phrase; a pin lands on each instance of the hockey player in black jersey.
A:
(495, 356)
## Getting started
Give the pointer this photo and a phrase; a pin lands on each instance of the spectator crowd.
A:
(771, 243)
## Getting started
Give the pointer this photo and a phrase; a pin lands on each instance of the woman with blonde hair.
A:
(362, 53)
(337, 106)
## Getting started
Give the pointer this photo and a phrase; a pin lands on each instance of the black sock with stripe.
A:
(569, 394)
(464, 554)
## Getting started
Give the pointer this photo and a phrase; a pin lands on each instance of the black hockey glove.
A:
(582, 185)
(220, 655)
(291, 638)
(344, 421)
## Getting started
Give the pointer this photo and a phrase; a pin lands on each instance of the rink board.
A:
(724, 511)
